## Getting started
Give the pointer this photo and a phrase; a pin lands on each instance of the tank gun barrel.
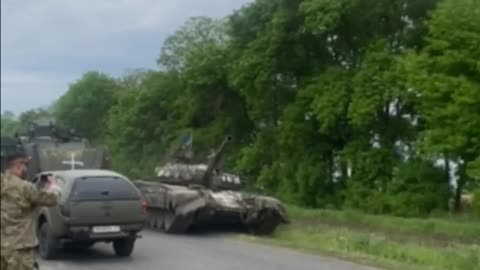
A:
(207, 177)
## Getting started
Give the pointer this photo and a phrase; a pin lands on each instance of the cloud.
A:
(47, 44)
(55, 26)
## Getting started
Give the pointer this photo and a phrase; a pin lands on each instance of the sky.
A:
(47, 45)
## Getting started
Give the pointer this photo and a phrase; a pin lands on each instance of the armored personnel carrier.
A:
(53, 148)
(183, 195)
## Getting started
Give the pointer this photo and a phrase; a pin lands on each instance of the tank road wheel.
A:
(153, 221)
(268, 223)
(265, 227)
(174, 224)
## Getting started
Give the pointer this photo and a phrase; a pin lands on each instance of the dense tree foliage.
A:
(86, 104)
(446, 75)
(371, 105)
(9, 124)
(144, 121)
(12, 124)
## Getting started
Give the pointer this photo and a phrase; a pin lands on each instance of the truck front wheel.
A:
(47, 243)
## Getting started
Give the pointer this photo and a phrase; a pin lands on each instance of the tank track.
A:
(166, 221)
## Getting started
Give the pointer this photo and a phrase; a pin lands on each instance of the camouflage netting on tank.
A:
(181, 172)
(191, 173)
(230, 178)
(227, 181)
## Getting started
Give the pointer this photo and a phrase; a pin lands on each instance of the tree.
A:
(32, 115)
(197, 31)
(10, 123)
(86, 104)
(143, 124)
(445, 75)
(199, 54)
(323, 84)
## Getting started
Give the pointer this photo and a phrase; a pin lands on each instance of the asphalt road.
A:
(194, 252)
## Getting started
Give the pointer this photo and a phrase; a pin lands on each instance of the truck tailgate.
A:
(109, 212)
(105, 201)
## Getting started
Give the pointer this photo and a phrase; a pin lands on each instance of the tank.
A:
(185, 195)
(54, 148)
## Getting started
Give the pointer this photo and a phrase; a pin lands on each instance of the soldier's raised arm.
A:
(41, 197)
(17, 164)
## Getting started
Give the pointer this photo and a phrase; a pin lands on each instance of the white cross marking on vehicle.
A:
(72, 162)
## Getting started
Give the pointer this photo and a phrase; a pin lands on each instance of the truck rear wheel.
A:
(124, 247)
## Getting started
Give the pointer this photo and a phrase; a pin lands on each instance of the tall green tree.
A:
(143, 124)
(212, 108)
(323, 84)
(445, 75)
(85, 105)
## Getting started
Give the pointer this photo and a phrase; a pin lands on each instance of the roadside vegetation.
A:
(366, 105)
(383, 241)
(437, 230)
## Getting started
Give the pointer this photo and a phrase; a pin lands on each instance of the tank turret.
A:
(181, 171)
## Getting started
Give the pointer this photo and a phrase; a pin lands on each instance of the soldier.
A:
(19, 202)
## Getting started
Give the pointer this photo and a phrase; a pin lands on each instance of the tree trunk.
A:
(344, 168)
(447, 168)
(331, 166)
(458, 197)
(458, 192)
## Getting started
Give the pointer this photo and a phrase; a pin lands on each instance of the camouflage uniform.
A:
(19, 201)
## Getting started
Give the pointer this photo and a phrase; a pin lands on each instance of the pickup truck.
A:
(94, 206)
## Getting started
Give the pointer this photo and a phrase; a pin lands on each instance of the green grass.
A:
(467, 231)
(375, 249)
(388, 242)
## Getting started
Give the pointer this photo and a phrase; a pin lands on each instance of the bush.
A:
(476, 203)
(418, 189)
